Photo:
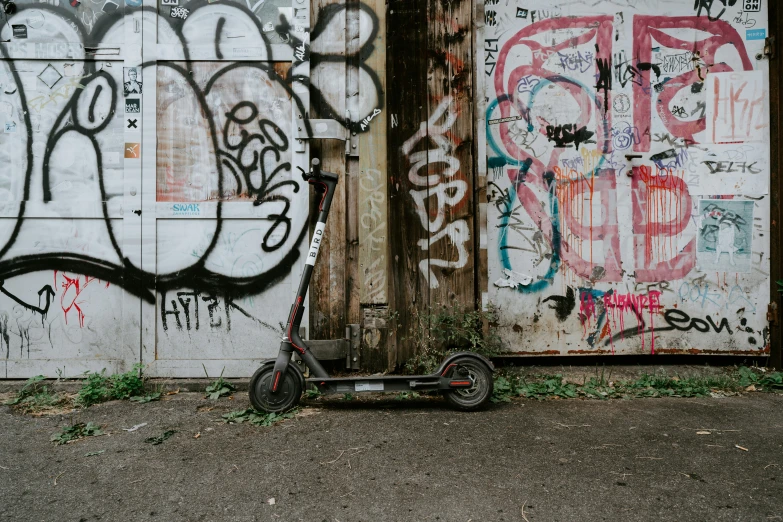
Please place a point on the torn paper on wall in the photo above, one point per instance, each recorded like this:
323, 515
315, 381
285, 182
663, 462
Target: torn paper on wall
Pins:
739, 168
736, 107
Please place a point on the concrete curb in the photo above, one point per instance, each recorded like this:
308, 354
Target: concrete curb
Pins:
575, 374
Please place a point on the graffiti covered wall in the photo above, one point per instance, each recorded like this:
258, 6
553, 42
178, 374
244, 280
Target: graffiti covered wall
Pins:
628, 175
151, 207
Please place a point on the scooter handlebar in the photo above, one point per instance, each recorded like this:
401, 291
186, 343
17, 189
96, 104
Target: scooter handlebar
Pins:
316, 174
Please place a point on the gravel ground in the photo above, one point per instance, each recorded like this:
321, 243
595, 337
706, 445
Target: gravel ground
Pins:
384, 459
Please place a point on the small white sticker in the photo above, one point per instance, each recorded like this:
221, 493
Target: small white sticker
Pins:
368, 386
318, 235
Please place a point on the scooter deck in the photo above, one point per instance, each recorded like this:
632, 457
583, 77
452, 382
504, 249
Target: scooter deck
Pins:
387, 383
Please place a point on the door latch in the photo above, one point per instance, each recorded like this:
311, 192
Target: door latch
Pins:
772, 314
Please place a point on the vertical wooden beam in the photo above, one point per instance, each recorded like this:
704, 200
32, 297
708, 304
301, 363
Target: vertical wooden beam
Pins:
776, 182
406, 72
352, 236
481, 272
327, 290
450, 131
373, 211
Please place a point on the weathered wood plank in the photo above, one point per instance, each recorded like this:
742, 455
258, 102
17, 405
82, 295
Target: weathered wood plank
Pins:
450, 215
776, 184
406, 71
372, 211
327, 297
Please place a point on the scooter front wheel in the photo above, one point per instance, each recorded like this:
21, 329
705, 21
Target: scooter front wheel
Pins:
473, 398
287, 396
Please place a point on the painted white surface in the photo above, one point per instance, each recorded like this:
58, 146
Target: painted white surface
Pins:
614, 249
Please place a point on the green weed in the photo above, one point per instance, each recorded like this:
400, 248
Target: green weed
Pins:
541, 387
160, 438
256, 417
348, 396
312, 393
219, 388
99, 387
146, 398
35, 397
75, 432
405, 396
441, 330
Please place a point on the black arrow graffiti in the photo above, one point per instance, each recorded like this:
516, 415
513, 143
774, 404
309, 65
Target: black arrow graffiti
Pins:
49, 294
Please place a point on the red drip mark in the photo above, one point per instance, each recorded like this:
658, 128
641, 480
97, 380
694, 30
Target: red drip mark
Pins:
70, 296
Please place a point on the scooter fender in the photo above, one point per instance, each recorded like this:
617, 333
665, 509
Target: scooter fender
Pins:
291, 364
445, 365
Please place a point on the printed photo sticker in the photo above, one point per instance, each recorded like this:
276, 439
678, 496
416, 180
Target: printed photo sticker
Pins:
132, 106
132, 150
131, 77
725, 235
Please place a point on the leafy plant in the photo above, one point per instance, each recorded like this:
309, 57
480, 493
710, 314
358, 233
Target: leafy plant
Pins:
312, 393
348, 396
218, 388
146, 398
405, 396
98, 387
256, 417
34, 396
75, 432
646, 385
160, 438
440, 330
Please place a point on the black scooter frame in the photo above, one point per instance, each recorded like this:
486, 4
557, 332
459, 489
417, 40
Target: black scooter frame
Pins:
443, 379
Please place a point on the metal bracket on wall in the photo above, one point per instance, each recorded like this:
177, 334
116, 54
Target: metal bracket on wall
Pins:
320, 130
336, 349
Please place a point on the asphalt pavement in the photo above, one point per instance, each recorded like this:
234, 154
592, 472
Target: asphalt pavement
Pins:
397, 460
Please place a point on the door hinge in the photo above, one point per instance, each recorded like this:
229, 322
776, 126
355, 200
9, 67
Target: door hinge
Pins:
769, 47
772, 314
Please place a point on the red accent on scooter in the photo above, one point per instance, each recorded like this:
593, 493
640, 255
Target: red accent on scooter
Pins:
447, 369
460, 383
277, 378
326, 191
291, 325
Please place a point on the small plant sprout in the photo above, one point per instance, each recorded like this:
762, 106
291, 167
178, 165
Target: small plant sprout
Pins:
218, 388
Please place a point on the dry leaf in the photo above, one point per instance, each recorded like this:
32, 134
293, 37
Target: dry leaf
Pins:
197, 435
751, 388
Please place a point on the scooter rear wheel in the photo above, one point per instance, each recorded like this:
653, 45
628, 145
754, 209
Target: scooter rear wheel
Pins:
473, 398
261, 396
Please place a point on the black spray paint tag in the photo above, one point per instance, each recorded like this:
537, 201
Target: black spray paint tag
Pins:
20, 31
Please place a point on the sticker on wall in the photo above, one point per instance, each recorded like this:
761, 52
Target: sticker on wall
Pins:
169, 2
132, 123
185, 209
19, 31
132, 150
131, 77
10, 127
725, 235
75, 3
132, 106
35, 19
109, 7
755, 34
180, 12
50, 76
751, 6
521, 13
741, 168
735, 107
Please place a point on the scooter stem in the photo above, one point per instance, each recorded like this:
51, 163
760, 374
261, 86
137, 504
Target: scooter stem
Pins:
326, 184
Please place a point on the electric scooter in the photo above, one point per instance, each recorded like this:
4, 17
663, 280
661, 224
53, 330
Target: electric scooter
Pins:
464, 378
